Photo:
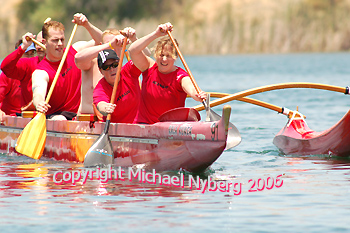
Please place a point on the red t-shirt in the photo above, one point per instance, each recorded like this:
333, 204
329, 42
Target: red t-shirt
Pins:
67, 91
127, 97
160, 93
15, 67
10, 95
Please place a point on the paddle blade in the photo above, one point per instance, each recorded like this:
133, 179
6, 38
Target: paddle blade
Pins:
100, 153
31, 141
180, 114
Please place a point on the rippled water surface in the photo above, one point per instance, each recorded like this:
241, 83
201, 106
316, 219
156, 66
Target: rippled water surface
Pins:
313, 191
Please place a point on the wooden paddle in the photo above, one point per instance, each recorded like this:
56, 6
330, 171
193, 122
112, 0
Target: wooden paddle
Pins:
101, 152
31, 141
233, 137
282, 110
127, 55
274, 87
36, 42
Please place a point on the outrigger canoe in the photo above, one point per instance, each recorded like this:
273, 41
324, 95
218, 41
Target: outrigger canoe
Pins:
296, 138
189, 145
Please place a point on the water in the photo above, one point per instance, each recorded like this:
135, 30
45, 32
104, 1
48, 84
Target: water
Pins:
314, 196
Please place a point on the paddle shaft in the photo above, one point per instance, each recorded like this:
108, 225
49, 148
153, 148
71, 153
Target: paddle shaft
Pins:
127, 55
115, 86
233, 136
61, 64
36, 42
273, 87
183, 62
256, 102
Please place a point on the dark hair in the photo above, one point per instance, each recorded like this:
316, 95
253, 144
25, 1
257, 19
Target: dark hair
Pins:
18, 43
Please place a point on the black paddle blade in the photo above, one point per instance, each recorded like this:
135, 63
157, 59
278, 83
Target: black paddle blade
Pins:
100, 153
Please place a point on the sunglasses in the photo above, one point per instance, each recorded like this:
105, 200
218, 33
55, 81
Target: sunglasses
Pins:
107, 67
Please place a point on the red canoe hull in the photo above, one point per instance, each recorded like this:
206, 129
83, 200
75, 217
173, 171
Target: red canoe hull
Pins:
192, 146
297, 139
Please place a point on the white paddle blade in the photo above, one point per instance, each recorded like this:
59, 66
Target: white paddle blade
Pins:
100, 153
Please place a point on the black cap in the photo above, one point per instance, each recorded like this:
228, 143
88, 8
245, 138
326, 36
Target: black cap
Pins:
104, 55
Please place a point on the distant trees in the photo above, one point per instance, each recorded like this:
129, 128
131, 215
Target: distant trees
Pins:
204, 26
36, 11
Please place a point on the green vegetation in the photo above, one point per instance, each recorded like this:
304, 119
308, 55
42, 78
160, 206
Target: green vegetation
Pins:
97, 11
206, 26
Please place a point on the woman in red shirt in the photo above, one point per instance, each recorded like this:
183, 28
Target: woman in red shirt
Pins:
164, 86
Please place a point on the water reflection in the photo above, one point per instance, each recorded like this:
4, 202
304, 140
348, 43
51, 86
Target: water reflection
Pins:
34, 182
15, 176
332, 162
18, 175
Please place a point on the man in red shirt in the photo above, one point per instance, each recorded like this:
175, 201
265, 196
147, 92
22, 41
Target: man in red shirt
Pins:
65, 99
15, 66
10, 96
10, 92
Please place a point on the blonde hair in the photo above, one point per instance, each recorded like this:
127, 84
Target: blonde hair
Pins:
51, 24
162, 43
110, 31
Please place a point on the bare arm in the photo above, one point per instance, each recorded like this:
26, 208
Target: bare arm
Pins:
96, 33
83, 59
131, 34
40, 80
2, 114
188, 87
147, 52
141, 61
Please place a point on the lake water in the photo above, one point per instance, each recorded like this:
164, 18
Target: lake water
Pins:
314, 195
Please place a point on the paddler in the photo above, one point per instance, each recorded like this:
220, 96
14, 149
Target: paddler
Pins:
86, 60
10, 92
128, 92
65, 99
164, 86
16, 66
